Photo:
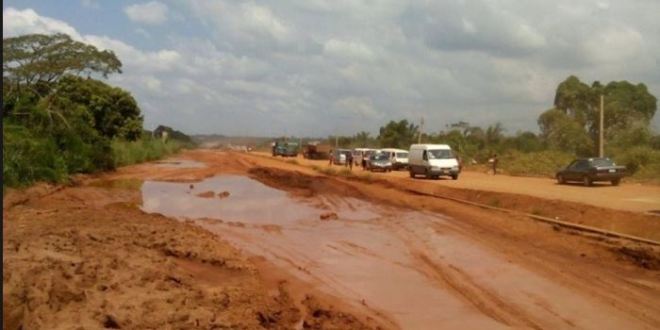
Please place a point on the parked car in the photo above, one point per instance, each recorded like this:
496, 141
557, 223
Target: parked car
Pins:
589, 170
432, 160
379, 162
367, 157
399, 157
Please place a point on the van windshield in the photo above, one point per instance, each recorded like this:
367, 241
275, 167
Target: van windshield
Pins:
440, 154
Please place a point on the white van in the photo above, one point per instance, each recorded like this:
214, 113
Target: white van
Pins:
399, 157
432, 160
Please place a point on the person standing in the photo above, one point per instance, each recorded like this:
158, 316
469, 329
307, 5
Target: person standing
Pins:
349, 160
494, 163
332, 157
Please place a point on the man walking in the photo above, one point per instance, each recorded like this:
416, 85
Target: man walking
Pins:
349, 160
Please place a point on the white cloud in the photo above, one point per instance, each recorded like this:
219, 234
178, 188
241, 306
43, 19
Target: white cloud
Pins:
260, 19
17, 22
614, 45
347, 49
152, 12
322, 67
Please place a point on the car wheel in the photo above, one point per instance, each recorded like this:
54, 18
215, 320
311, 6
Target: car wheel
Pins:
560, 179
427, 174
586, 181
454, 177
412, 174
616, 182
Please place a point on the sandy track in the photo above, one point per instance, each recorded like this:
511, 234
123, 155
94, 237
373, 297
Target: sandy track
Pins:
382, 253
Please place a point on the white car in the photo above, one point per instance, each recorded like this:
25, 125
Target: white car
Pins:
399, 157
432, 161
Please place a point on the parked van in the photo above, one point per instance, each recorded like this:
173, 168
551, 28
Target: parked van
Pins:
340, 156
399, 157
358, 155
432, 161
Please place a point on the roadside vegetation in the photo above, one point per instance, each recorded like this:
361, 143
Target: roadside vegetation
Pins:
59, 118
567, 130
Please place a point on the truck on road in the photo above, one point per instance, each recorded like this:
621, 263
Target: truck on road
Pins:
285, 149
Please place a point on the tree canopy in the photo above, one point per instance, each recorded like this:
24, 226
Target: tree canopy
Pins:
573, 123
33, 58
399, 134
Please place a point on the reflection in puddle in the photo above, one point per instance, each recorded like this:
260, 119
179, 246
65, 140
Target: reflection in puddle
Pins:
239, 198
180, 163
248, 201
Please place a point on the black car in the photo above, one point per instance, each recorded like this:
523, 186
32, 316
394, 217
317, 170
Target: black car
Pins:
589, 170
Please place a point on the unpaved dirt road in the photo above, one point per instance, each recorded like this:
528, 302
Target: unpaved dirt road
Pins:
379, 255
632, 197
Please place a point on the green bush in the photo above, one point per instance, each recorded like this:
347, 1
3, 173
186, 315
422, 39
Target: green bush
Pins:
28, 158
642, 162
542, 163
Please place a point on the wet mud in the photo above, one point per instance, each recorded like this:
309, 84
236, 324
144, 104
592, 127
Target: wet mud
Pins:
410, 269
281, 247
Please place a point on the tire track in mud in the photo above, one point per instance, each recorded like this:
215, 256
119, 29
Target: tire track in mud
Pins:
459, 283
288, 257
486, 301
598, 285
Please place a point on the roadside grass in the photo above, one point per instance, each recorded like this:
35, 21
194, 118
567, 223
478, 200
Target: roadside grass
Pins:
539, 164
143, 150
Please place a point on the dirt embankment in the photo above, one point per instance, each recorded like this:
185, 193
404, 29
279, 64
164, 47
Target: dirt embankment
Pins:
617, 218
87, 257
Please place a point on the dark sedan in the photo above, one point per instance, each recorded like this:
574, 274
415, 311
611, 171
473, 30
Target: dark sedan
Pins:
589, 170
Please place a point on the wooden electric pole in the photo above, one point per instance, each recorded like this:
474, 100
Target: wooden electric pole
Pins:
601, 133
421, 130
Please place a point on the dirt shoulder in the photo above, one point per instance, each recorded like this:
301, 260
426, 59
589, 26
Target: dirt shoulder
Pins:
633, 197
88, 257
516, 197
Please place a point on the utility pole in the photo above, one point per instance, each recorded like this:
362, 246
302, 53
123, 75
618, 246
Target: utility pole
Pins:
336, 141
421, 129
601, 139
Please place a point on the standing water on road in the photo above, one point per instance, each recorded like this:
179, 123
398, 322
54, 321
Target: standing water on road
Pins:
412, 269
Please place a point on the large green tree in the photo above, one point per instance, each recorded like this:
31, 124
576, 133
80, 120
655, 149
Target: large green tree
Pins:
33, 58
114, 112
399, 134
562, 132
575, 116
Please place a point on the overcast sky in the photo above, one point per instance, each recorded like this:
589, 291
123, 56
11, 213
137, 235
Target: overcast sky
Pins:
317, 67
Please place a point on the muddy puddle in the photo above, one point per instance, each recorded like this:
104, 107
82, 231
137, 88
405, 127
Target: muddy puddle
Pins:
241, 199
411, 269
180, 163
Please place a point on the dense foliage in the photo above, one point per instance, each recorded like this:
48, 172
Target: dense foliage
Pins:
568, 130
57, 122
